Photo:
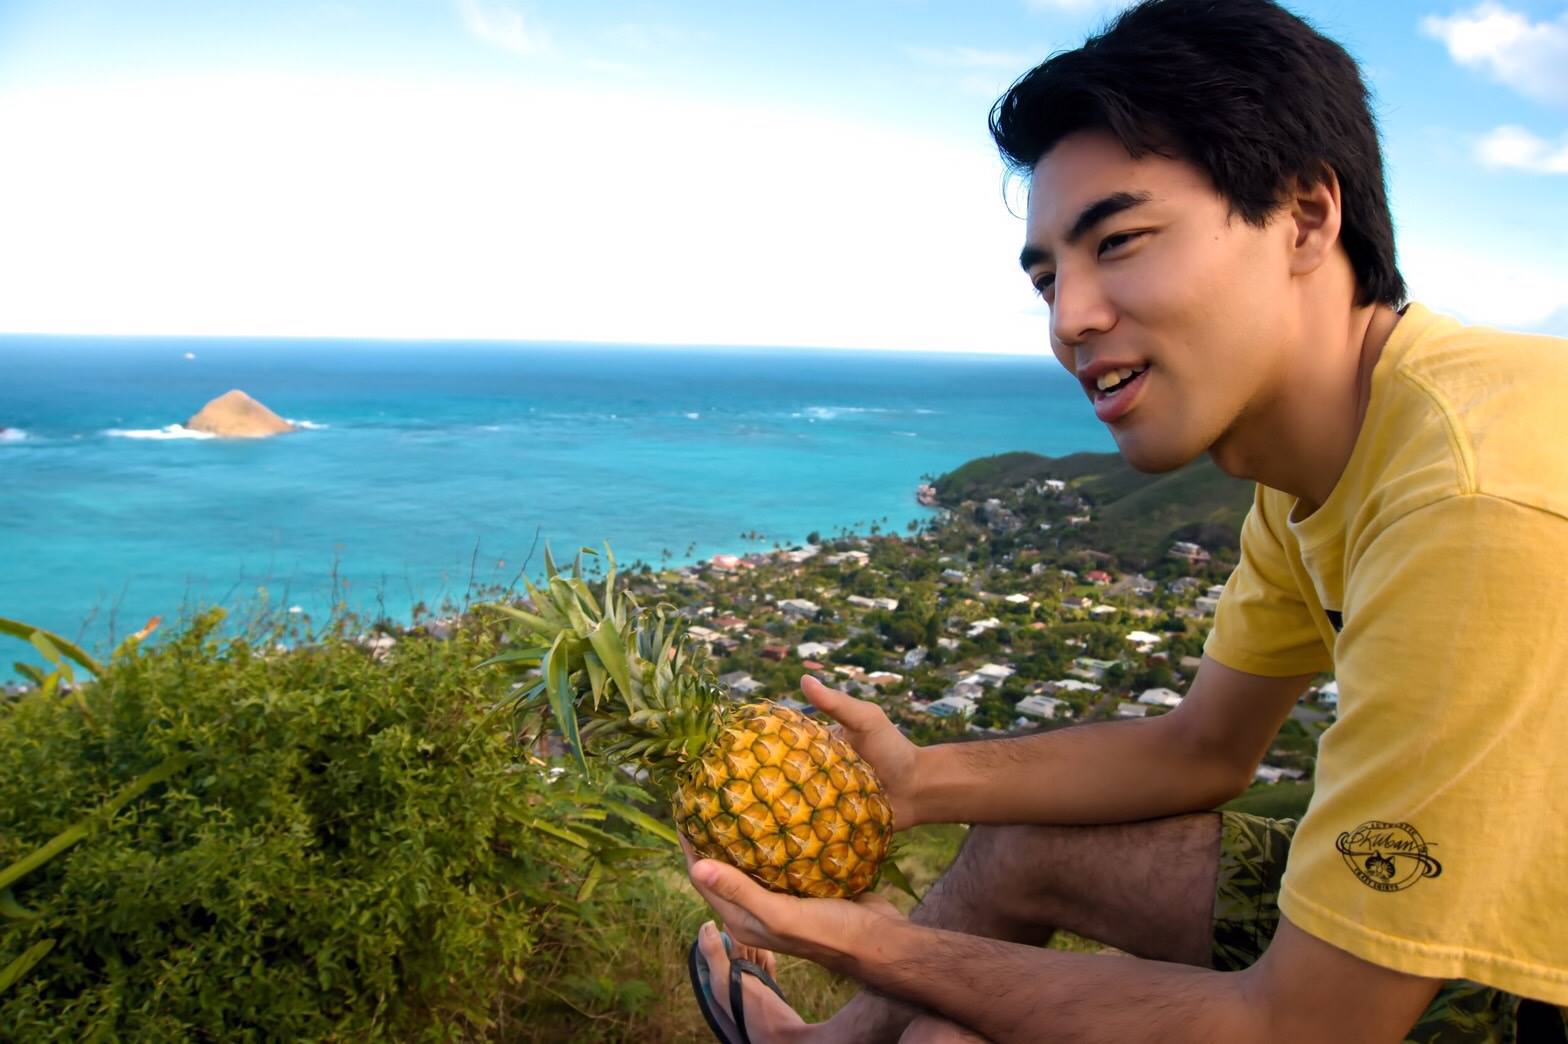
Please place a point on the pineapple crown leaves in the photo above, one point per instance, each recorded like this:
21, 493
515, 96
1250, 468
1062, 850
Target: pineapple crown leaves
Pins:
616, 675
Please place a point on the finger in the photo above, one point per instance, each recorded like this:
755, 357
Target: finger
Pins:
840, 706
734, 895
686, 849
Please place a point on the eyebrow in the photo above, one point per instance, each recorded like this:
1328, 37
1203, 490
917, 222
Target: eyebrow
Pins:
1088, 217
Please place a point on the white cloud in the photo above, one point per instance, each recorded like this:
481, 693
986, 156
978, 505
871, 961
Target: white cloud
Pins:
1515, 148
1530, 57
341, 207
1075, 6
1485, 284
972, 58
502, 25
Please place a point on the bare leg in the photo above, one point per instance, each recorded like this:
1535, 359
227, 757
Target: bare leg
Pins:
1145, 888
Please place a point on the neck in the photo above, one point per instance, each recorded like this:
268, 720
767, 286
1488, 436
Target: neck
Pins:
1299, 439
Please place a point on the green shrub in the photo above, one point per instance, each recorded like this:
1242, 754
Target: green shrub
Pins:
352, 850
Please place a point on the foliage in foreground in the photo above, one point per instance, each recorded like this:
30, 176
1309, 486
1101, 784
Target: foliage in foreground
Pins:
339, 848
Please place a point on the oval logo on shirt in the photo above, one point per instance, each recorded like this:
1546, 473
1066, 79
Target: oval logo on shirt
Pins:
1389, 857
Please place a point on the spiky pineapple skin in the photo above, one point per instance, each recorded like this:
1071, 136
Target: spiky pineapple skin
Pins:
782, 798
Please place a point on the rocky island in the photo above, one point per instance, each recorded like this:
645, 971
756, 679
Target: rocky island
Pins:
235, 415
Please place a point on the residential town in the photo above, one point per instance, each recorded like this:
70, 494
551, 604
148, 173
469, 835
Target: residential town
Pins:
983, 621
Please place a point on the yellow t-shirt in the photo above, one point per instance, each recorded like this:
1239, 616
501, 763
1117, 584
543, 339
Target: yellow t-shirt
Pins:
1434, 583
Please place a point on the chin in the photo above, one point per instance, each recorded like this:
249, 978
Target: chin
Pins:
1151, 454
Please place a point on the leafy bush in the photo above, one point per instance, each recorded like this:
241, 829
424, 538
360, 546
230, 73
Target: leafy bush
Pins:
343, 848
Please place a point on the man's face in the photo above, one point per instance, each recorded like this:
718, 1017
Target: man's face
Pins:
1144, 270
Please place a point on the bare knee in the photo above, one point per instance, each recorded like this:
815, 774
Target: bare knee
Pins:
928, 1029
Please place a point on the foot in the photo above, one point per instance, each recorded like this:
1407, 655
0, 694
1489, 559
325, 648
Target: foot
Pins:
768, 1017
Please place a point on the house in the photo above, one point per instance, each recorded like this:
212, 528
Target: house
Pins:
995, 673
703, 634
979, 627
739, 683
797, 607
1131, 710
889, 604
1188, 552
1097, 576
1160, 697
1042, 707
947, 643
915, 657
1328, 694
1274, 773
725, 563
880, 678
854, 559
950, 706
811, 665
1090, 668
1206, 604
1183, 584
1075, 604
1145, 638
811, 650
967, 689
1071, 685
729, 623
850, 670
801, 554
724, 646
774, 652
1017, 599
1103, 610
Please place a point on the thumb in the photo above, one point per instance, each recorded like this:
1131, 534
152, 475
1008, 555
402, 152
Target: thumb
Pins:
719, 880
840, 706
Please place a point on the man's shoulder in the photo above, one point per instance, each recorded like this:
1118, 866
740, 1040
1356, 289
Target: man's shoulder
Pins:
1475, 410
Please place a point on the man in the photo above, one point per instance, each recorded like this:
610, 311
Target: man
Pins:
1208, 225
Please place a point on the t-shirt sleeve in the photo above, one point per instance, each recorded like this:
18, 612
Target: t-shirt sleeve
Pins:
1264, 624
1435, 844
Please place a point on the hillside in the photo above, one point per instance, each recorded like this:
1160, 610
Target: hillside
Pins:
1138, 514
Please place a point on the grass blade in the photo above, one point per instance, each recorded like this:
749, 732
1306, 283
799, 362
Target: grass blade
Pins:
19, 967
74, 833
638, 818
17, 629
896, 878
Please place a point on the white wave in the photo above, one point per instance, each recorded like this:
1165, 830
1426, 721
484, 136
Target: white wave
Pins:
305, 425
906, 434
296, 609
12, 435
168, 431
834, 412
692, 416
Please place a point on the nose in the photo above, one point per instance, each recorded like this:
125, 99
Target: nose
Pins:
1079, 308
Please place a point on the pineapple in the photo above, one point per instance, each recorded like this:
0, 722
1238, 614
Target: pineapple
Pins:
759, 786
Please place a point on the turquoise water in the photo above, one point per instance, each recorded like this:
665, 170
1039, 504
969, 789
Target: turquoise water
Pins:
419, 453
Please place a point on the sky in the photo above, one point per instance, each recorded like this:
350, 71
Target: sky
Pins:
809, 173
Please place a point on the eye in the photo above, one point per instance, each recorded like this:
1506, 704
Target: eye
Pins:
1119, 239
1043, 284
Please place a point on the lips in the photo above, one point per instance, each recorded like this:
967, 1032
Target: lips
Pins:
1123, 386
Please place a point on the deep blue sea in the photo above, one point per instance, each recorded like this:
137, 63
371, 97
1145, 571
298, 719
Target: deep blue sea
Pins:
417, 454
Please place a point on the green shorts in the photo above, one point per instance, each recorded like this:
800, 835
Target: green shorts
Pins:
1246, 912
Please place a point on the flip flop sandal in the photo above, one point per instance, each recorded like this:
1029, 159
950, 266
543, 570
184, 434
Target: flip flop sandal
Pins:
726, 1029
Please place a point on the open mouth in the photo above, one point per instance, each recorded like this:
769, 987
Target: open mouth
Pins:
1116, 392
1115, 382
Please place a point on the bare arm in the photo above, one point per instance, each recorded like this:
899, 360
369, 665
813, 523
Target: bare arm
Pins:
1199, 755
1009, 992
1301, 991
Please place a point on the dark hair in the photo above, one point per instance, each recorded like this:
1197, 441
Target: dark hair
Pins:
1242, 89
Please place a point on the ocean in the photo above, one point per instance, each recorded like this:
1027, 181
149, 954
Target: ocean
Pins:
422, 466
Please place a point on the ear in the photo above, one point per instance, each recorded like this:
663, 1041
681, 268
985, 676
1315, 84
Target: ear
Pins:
1315, 215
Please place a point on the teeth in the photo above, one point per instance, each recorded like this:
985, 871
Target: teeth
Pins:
1114, 377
